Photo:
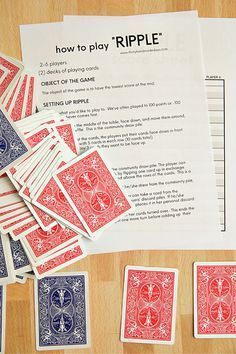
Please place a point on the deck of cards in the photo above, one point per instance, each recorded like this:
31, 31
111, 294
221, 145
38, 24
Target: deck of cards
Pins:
51, 195
17, 88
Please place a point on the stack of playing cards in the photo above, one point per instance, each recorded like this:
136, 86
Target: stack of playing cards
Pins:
53, 197
17, 88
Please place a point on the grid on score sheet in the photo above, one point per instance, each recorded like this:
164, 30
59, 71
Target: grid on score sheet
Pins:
215, 91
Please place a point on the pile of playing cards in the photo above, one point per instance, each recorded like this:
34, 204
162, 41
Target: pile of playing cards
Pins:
52, 197
17, 88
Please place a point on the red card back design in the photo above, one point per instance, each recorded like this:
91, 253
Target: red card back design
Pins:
29, 103
66, 133
53, 199
215, 300
93, 191
36, 138
149, 310
18, 105
42, 242
13, 71
63, 258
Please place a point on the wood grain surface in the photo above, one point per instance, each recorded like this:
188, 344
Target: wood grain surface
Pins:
106, 271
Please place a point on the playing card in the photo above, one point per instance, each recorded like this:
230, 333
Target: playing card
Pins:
14, 67
62, 311
38, 135
35, 120
19, 172
22, 174
6, 187
3, 73
8, 98
13, 146
9, 214
29, 103
17, 222
11, 207
66, 131
2, 317
92, 191
45, 221
149, 305
7, 275
41, 244
214, 299
24, 230
6, 220
67, 257
9, 199
51, 199
45, 170
20, 260
15, 109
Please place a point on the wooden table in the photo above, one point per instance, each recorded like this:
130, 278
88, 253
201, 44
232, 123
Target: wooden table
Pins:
106, 271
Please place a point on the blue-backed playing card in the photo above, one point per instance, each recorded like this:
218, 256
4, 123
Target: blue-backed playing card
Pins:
61, 311
20, 260
13, 146
7, 275
2, 317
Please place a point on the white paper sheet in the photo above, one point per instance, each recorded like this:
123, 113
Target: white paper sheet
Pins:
171, 132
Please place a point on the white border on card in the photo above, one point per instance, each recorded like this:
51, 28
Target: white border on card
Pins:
4, 296
79, 158
87, 345
24, 141
173, 324
196, 335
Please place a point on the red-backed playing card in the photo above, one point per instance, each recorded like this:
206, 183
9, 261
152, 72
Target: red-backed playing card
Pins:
149, 305
14, 68
43, 243
92, 191
51, 200
15, 110
66, 131
215, 299
71, 254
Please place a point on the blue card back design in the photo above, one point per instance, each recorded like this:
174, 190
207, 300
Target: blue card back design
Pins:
11, 145
1, 315
19, 257
3, 264
62, 311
